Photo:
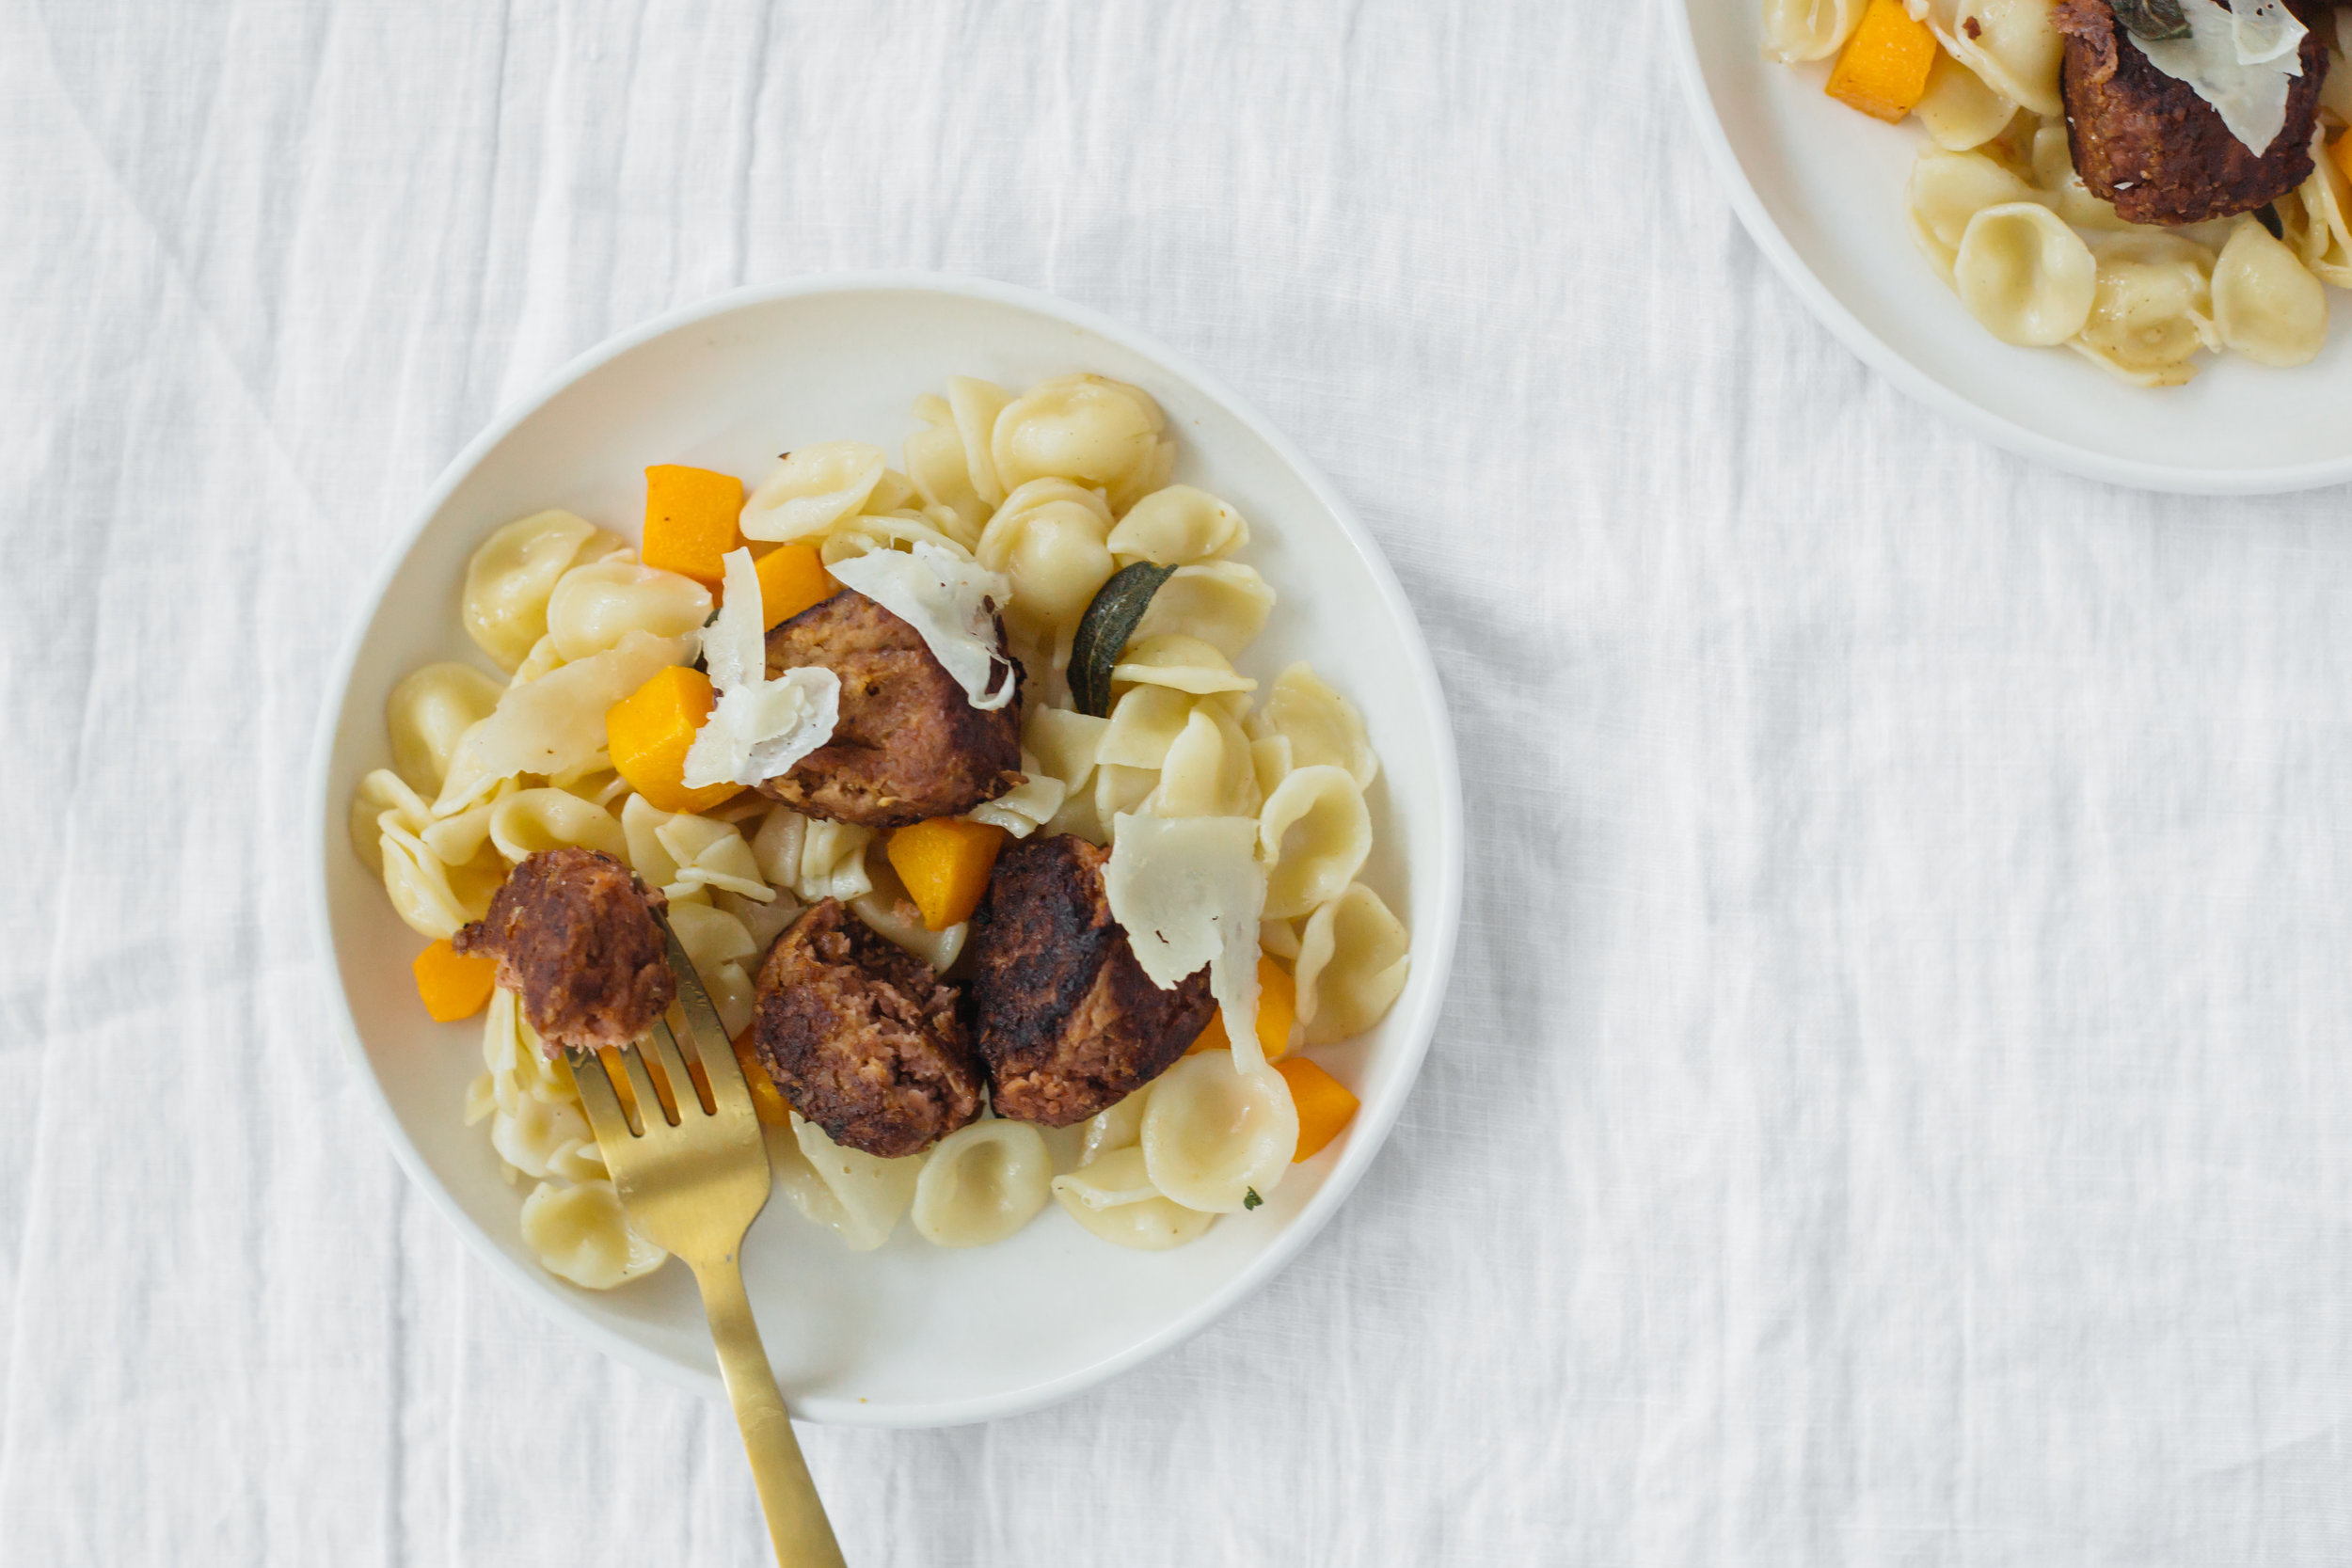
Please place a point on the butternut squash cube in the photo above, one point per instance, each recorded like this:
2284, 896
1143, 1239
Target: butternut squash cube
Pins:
1883, 69
691, 521
792, 577
454, 985
2339, 152
650, 731
1278, 1006
944, 863
768, 1101
1324, 1106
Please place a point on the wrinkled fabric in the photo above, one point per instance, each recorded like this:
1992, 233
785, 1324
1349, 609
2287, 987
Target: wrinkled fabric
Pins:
1893, 1101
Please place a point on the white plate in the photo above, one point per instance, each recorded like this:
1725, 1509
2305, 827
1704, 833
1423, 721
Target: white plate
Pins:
1820, 186
911, 1335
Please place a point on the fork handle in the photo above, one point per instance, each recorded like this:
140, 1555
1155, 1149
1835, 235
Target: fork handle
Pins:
796, 1525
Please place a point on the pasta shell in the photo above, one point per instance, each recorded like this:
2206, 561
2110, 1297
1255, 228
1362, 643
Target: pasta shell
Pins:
981, 1184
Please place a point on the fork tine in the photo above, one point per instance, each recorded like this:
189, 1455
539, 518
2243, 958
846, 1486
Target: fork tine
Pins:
705, 1035
597, 1097
641, 1082
659, 1044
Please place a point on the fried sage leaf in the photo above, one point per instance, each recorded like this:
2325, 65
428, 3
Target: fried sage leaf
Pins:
2152, 19
1103, 632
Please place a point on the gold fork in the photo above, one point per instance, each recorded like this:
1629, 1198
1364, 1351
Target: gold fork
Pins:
694, 1188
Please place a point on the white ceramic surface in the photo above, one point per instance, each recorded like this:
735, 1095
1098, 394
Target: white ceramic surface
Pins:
910, 1335
1820, 189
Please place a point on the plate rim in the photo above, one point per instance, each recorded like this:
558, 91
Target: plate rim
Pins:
1446, 863
1917, 383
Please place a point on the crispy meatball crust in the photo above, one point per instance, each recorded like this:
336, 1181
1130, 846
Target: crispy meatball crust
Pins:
574, 934
910, 745
862, 1038
2154, 147
1066, 1020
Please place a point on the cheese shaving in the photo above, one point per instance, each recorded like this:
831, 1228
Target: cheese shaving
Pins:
554, 725
2238, 58
760, 728
949, 600
1189, 891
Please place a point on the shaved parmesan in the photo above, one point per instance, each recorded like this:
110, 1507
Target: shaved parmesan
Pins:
2238, 58
554, 725
1189, 891
949, 600
760, 728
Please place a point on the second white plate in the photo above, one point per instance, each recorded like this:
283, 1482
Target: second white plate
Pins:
1820, 189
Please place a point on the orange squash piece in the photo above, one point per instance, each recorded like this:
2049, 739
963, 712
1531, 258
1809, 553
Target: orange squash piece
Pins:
650, 731
791, 578
767, 1099
2339, 152
1324, 1106
1278, 1006
691, 521
944, 863
454, 984
1883, 69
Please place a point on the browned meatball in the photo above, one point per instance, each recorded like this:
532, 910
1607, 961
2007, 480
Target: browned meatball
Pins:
2153, 147
862, 1038
909, 745
574, 934
1066, 1020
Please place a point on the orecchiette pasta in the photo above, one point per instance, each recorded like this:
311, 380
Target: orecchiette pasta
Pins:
1119, 1126
1022, 809
1945, 190
1321, 727
428, 712
1959, 111
510, 577
594, 606
2265, 304
2027, 277
530, 820
1208, 771
1065, 743
2154, 309
1176, 526
1809, 29
712, 854
981, 1184
1144, 724
1114, 1198
1048, 539
2012, 45
833, 862
813, 488
1103, 433
1352, 964
712, 938
1213, 1134
941, 475
776, 848
1222, 603
1182, 663
2314, 222
1315, 833
975, 406
854, 1194
580, 1234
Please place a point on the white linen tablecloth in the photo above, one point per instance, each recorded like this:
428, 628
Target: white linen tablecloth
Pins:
1892, 1103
